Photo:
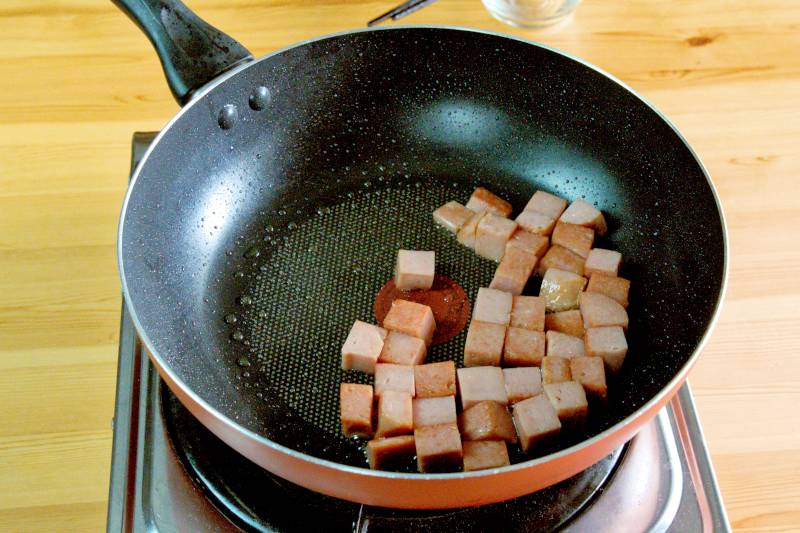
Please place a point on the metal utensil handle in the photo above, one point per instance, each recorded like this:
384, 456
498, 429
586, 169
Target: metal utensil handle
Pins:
191, 51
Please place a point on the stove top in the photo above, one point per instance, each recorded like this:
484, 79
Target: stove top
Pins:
169, 473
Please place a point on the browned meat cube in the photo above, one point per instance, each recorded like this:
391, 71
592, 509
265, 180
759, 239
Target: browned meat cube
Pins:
601, 261
414, 269
398, 378
355, 402
412, 319
576, 239
589, 372
487, 421
546, 203
402, 349
452, 216
536, 422
608, 343
614, 288
527, 312
561, 289
438, 448
523, 347
466, 235
563, 345
561, 258
480, 383
522, 383
481, 455
395, 414
599, 310
513, 271
492, 235
391, 453
485, 200
528, 242
569, 401
435, 379
555, 369
362, 347
433, 411
583, 214
535, 222
493, 306
484, 345
569, 322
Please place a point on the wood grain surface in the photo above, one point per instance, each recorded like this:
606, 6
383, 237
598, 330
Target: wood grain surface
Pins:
77, 78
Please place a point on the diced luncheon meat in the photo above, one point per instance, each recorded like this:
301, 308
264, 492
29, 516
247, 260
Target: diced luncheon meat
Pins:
481, 455
561, 289
584, 214
576, 239
391, 453
466, 235
452, 216
613, 287
435, 379
438, 448
563, 345
589, 372
527, 312
535, 222
493, 306
536, 422
492, 235
355, 401
546, 203
414, 269
599, 310
485, 200
561, 258
601, 261
362, 347
480, 383
569, 322
487, 421
393, 377
523, 347
395, 414
528, 242
513, 271
569, 401
555, 369
522, 383
402, 349
608, 343
484, 345
412, 319
433, 411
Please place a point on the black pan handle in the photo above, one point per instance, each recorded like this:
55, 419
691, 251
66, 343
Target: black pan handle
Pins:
192, 52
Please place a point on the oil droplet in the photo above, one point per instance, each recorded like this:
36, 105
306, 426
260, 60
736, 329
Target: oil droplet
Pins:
238, 274
243, 362
245, 300
252, 252
227, 116
245, 374
237, 335
292, 225
259, 98
231, 318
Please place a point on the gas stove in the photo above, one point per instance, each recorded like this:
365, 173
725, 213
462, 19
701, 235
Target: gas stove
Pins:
169, 473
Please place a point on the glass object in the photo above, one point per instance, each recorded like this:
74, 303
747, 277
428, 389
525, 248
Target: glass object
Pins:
531, 13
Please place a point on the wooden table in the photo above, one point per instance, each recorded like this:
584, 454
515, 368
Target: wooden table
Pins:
77, 78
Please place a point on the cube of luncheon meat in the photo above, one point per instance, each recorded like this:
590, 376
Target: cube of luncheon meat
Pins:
576, 239
402, 349
414, 269
536, 422
535, 222
513, 271
561, 258
563, 345
613, 287
589, 372
438, 448
608, 343
480, 455
523, 347
487, 421
452, 216
485, 200
435, 379
569, 401
601, 261
561, 290
391, 453
528, 242
546, 203
492, 235
493, 306
480, 383
393, 377
362, 347
584, 214
466, 235
395, 414
484, 345
522, 383
599, 310
555, 369
569, 322
433, 411
527, 312
412, 319
355, 404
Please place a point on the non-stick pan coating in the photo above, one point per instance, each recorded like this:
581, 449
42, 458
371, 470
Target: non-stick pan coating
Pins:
287, 222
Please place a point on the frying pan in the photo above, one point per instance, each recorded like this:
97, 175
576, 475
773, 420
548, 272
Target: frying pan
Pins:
266, 215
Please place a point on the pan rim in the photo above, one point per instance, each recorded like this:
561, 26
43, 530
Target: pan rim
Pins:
671, 386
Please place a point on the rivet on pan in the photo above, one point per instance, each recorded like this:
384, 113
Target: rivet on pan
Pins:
227, 116
260, 98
